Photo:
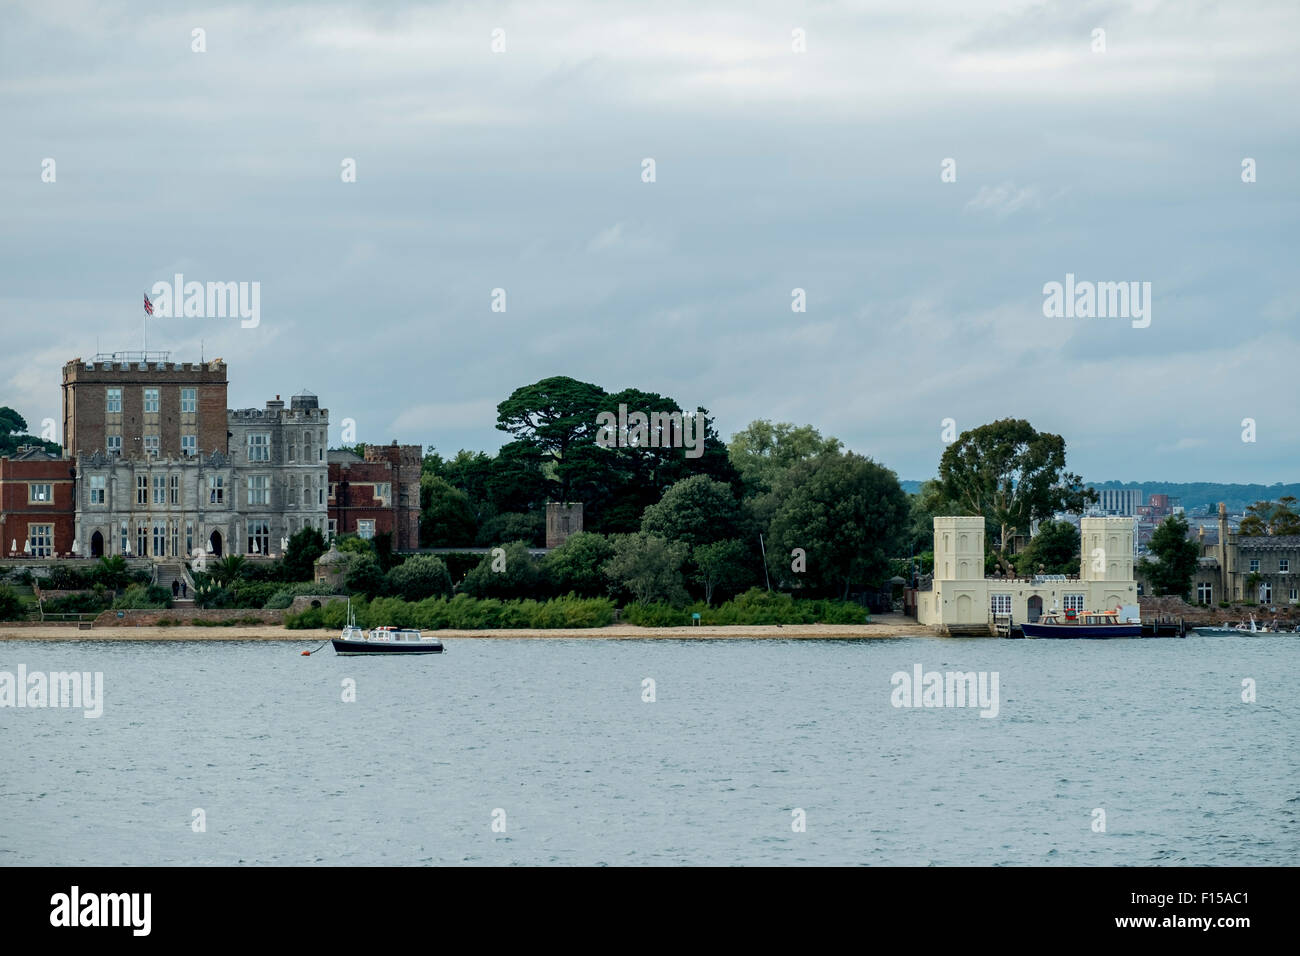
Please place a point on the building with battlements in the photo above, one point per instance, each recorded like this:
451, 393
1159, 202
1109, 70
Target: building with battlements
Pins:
961, 599
376, 493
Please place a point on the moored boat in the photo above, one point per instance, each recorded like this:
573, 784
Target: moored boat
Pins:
383, 640
1092, 625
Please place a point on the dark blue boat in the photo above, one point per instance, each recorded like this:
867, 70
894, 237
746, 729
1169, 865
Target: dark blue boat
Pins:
1095, 626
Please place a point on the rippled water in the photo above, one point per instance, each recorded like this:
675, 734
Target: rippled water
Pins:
556, 735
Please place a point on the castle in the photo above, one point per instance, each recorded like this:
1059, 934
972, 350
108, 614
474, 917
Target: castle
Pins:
961, 599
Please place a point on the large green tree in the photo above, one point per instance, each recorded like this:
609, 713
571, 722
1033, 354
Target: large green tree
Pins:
697, 510
648, 567
1011, 474
553, 417
576, 565
846, 512
1270, 518
1055, 549
446, 516
723, 564
762, 451
1176, 558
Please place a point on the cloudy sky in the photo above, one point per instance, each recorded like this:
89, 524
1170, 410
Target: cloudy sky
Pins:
774, 170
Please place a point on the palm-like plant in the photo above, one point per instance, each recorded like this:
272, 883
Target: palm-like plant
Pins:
112, 571
228, 569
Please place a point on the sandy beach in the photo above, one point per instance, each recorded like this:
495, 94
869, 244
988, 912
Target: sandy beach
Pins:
890, 627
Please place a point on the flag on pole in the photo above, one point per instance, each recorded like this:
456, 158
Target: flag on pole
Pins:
148, 306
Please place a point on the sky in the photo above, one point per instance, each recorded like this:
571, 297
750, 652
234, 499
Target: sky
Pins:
776, 168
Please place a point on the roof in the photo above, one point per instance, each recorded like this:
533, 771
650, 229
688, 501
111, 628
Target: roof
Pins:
340, 456
1268, 542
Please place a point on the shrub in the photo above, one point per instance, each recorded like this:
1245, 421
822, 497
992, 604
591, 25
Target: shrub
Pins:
419, 577
11, 605
511, 574
254, 594
658, 614
139, 596
86, 603
461, 613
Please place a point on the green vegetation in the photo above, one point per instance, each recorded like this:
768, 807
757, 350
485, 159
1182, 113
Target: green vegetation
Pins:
1010, 474
1176, 558
755, 606
1271, 518
461, 613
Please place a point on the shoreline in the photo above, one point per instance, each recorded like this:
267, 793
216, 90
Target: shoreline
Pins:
902, 628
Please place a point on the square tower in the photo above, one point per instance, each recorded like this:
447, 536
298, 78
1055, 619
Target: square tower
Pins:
959, 548
1106, 549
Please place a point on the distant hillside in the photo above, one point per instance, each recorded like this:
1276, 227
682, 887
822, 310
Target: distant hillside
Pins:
1191, 494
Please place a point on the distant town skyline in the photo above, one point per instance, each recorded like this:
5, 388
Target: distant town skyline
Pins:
918, 175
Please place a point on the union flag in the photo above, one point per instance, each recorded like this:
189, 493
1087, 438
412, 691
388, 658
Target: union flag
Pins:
148, 306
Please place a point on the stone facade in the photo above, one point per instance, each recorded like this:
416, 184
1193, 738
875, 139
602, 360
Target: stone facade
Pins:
185, 481
961, 599
1227, 563
281, 475
562, 520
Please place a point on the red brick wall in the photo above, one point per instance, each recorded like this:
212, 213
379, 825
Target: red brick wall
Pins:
84, 408
16, 512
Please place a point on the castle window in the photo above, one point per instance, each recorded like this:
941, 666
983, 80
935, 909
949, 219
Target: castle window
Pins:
40, 494
1205, 592
1254, 564
1283, 566
113, 401
1073, 602
189, 445
97, 483
189, 400
151, 401
1000, 603
259, 446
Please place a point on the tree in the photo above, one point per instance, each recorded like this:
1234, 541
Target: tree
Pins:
648, 567
228, 569
1271, 518
508, 573
11, 605
846, 512
418, 577
576, 565
300, 556
723, 564
762, 451
553, 416
696, 510
112, 572
364, 576
1055, 549
1176, 558
1012, 475
13, 432
529, 527
446, 517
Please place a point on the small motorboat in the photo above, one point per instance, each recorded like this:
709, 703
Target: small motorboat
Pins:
1098, 624
383, 640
